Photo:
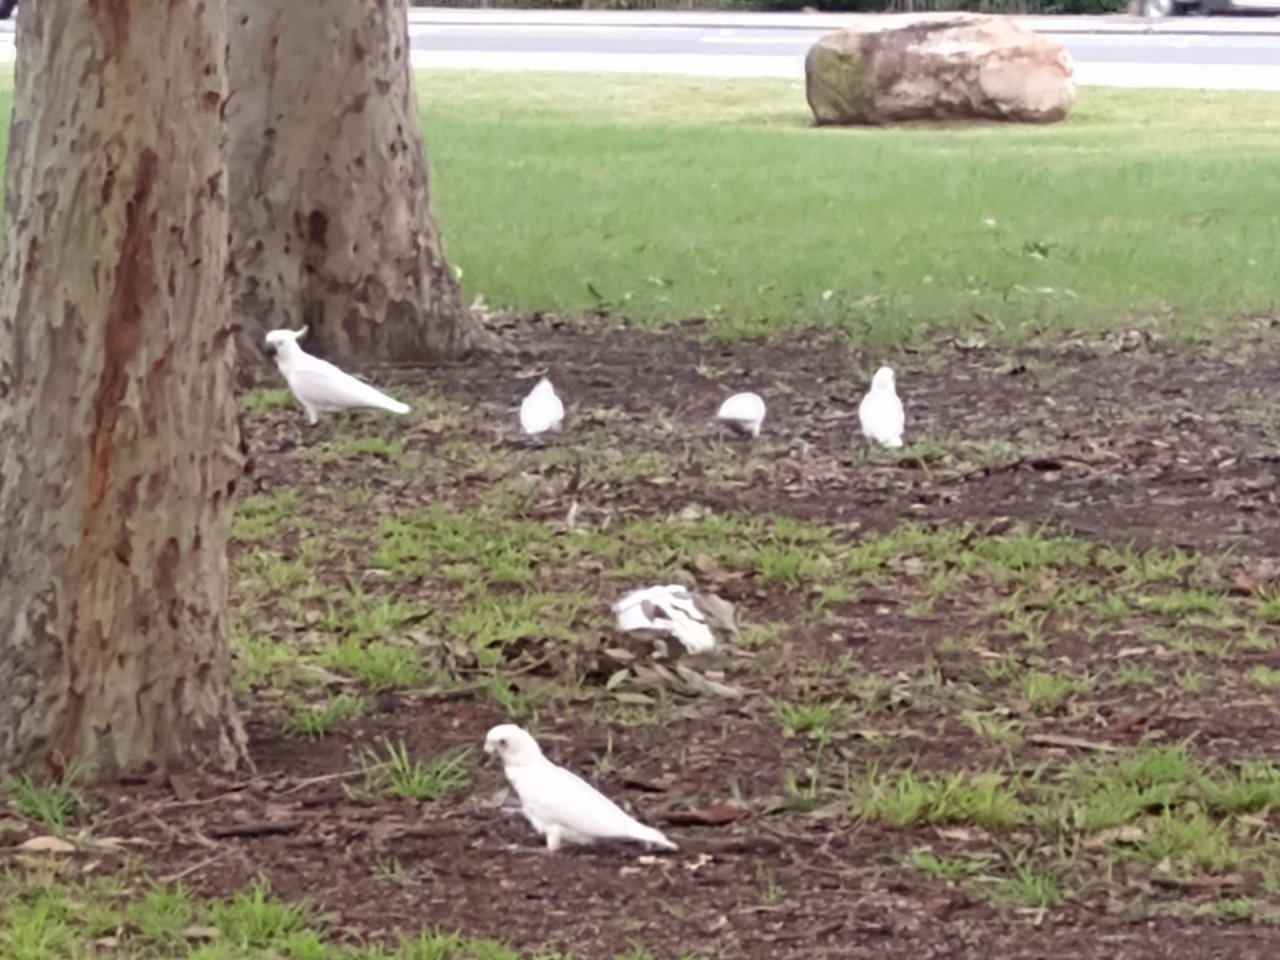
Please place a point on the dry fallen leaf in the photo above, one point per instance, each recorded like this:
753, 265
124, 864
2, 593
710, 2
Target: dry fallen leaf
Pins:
1127, 833
47, 845
715, 814
1246, 584
705, 563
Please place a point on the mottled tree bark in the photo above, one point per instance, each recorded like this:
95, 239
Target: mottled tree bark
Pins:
119, 451
331, 222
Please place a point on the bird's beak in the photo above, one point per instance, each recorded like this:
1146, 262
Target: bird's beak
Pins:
271, 349
489, 747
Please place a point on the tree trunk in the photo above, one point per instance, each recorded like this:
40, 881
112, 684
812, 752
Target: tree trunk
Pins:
331, 222
119, 450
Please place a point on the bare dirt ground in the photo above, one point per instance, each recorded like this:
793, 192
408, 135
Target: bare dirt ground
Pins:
1101, 444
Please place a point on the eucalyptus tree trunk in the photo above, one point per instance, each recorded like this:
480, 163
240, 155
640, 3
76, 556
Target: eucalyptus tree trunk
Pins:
119, 451
331, 221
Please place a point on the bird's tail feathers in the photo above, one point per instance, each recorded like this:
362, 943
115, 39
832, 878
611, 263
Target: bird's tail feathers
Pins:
694, 634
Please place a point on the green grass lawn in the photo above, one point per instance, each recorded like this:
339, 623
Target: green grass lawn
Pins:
665, 198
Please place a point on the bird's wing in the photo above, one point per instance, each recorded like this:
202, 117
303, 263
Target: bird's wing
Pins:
898, 415
639, 595
323, 385
746, 407
687, 621
881, 417
635, 611
533, 414
557, 796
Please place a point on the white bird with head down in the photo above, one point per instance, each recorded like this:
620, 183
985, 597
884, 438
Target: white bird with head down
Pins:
541, 410
320, 386
560, 805
743, 413
881, 411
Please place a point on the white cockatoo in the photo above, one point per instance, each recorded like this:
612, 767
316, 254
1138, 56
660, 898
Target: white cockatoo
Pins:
560, 805
541, 410
320, 386
668, 609
881, 411
743, 413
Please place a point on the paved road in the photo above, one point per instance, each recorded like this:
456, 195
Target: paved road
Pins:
1209, 53
1218, 53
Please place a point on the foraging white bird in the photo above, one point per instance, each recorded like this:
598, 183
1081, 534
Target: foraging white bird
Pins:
561, 805
541, 410
743, 412
669, 609
320, 386
881, 411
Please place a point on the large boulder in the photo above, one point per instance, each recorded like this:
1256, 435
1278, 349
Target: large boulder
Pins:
949, 67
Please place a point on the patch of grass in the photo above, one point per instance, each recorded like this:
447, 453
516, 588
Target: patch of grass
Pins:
788, 563
49, 912
255, 919
1256, 641
953, 869
1190, 681
260, 661
1235, 909
1135, 675
265, 400
1195, 841
905, 800
1046, 691
1185, 603
363, 616
1268, 608
1030, 885
992, 729
315, 720
384, 448
1031, 228
1268, 678
814, 720
265, 572
463, 545
259, 517
491, 623
55, 804
379, 666
395, 772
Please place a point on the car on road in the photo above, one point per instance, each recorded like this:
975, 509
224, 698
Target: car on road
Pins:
1170, 8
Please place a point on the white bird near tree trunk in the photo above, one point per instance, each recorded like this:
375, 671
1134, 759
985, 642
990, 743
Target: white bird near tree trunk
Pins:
743, 413
320, 386
541, 410
881, 413
559, 804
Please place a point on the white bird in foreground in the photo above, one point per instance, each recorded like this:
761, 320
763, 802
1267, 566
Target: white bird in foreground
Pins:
881, 411
541, 410
561, 805
320, 386
743, 412
669, 609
